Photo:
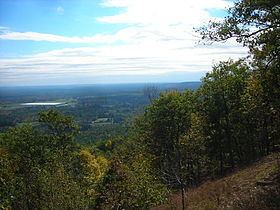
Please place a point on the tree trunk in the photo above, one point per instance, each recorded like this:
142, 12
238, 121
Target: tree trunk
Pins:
183, 197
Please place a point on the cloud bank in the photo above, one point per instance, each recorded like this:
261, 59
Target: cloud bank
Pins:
158, 39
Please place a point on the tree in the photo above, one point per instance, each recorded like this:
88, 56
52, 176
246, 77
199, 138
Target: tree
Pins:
220, 103
19, 178
59, 131
168, 118
130, 182
161, 128
39, 160
89, 170
256, 24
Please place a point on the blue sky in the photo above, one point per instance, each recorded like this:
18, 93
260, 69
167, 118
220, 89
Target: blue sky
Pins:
60, 17
107, 41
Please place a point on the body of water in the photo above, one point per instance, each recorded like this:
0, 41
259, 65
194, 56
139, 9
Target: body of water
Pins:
42, 104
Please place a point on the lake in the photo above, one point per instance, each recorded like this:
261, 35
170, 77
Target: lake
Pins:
42, 104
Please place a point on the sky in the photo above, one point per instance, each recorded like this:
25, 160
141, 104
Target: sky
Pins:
57, 42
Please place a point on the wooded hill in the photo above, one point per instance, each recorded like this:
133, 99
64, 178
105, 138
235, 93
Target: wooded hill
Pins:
182, 140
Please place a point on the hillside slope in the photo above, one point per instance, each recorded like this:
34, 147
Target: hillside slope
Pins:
254, 187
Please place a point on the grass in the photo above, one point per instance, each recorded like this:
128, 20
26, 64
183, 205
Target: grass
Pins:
254, 187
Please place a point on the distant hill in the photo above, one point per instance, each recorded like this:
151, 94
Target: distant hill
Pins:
254, 187
60, 91
180, 86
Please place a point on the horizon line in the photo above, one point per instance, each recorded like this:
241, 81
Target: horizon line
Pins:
92, 84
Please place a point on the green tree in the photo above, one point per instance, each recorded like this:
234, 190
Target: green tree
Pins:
220, 103
130, 182
39, 161
166, 121
21, 149
256, 24
89, 170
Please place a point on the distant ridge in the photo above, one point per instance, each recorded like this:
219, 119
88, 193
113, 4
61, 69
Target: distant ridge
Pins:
96, 89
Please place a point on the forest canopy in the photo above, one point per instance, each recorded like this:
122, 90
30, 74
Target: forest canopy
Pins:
181, 140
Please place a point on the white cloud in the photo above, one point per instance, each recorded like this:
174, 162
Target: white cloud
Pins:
158, 39
4, 29
60, 10
34, 36
151, 20
123, 60
162, 12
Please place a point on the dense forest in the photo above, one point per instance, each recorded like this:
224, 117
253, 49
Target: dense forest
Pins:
182, 139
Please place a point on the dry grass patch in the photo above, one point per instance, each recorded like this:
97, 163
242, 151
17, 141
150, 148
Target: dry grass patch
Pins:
248, 188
